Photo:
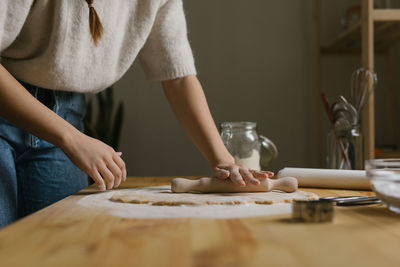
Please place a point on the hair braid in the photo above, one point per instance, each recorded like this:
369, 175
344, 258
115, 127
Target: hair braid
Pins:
96, 28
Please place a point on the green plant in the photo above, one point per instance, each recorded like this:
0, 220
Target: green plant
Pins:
107, 125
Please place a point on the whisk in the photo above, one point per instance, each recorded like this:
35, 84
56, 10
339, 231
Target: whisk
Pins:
360, 89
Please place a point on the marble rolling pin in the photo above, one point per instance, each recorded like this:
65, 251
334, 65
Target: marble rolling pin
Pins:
328, 178
214, 185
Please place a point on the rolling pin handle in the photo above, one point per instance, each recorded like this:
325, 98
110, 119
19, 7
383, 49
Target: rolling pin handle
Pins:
286, 184
181, 185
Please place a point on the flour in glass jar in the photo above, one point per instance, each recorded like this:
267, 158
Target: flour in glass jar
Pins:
252, 162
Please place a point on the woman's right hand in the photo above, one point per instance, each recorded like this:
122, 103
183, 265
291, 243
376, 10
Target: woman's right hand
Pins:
95, 158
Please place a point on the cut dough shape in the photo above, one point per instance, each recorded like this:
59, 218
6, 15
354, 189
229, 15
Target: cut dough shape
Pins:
162, 196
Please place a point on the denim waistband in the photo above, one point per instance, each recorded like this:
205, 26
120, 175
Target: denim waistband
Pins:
46, 96
68, 105
53, 99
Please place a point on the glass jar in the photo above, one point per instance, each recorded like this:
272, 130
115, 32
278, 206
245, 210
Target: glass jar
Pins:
352, 141
246, 145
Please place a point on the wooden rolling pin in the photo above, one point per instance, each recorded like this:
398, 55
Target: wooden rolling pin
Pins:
214, 185
328, 178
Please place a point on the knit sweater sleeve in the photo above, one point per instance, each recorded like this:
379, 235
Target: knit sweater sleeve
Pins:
167, 54
13, 14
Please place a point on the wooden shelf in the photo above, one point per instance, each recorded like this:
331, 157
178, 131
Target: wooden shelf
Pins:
387, 155
386, 15
377, 30
386, 33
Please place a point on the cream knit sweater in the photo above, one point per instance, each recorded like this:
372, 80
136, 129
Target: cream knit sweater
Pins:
47, 42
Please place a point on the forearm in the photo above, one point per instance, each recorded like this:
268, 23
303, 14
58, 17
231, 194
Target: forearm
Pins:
189, 104
19, 107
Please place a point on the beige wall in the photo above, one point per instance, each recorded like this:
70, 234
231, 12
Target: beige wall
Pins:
255, 61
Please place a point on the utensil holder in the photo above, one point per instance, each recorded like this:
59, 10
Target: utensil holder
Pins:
352, 140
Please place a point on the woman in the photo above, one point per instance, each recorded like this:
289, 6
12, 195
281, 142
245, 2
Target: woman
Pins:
52, 53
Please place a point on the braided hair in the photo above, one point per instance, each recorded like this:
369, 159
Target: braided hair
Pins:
96, 28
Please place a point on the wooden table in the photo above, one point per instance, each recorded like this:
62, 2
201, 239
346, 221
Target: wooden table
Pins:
66, 234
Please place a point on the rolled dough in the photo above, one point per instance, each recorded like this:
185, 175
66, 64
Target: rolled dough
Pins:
101, 201
162, 196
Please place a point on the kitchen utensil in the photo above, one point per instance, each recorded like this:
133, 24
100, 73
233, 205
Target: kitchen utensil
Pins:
367, 90
346, 129
313, 210
328, 178
214, 185
331, 119
342, 108
359, 87
342, 124
353, 200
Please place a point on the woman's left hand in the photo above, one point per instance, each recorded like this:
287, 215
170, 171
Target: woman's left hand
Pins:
239, 174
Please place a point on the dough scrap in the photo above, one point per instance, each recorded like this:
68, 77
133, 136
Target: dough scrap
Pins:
162, 196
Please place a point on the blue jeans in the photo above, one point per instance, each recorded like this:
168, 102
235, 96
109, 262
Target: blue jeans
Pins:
33, 172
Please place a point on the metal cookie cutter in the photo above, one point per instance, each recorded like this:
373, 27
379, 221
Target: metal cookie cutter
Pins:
313, 211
